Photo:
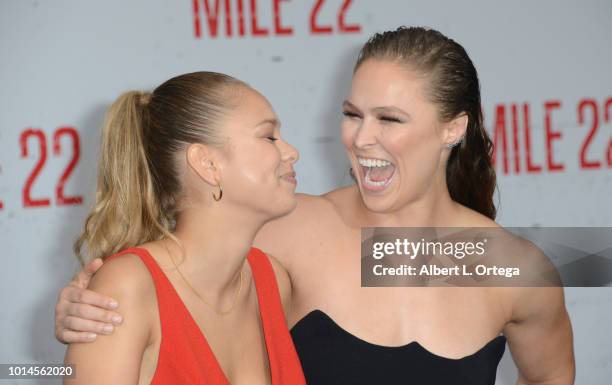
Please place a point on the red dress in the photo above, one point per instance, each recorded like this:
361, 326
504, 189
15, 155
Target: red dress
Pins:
184, 354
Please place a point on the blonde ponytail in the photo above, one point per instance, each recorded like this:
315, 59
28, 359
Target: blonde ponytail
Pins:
126, 212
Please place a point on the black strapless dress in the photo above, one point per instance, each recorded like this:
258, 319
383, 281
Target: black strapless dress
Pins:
332, 356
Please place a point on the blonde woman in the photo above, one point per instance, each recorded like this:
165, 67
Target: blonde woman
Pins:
188, 175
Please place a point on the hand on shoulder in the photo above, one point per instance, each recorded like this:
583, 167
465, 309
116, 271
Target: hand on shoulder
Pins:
124, 277
127, 279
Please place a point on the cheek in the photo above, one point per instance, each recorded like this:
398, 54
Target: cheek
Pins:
417, 152
348, 131
256, 164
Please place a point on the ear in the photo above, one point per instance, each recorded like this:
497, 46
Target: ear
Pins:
455, 129
203, 160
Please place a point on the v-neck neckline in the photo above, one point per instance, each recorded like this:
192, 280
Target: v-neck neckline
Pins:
200, 333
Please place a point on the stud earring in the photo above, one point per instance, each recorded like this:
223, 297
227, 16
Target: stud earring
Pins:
453, 144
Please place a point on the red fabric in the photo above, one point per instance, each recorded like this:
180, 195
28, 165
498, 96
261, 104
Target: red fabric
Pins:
184, 354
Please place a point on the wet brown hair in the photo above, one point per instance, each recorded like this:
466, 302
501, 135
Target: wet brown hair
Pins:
454, 89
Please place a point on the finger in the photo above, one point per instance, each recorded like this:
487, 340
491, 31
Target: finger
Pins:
92, 266
84, 276
68, 336
93, 313
90, 297
84, 325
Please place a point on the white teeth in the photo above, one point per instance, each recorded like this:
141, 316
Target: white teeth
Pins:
372, 183
381, 183
373, 162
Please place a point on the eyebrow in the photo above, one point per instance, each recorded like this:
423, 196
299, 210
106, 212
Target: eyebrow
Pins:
348, 104
274, 122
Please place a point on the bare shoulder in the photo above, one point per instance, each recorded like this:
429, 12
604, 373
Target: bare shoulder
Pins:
343, 204
340, 196
125, 278
539, 289
305, 212
472, 218
314, 206
542, 295
283, 236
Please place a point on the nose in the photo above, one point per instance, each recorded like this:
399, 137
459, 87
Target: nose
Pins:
289, 153
367, 135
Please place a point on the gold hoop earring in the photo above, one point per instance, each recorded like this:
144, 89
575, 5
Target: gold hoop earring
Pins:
217, 199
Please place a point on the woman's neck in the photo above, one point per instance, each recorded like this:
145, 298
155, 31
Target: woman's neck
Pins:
215, 247
434, 208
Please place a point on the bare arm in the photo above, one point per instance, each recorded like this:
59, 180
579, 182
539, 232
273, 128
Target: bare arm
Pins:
540, 337
117, 358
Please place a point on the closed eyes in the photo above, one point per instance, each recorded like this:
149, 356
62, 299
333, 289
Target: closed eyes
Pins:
383, 118
390, 119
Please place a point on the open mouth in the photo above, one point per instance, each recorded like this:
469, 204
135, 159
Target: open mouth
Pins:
376, 174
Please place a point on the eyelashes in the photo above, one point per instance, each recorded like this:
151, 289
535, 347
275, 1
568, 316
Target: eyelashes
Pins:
350, 114
272, 139
382, 118
390, 119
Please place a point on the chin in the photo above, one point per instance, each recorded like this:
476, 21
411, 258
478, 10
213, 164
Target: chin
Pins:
381, 201
377, 204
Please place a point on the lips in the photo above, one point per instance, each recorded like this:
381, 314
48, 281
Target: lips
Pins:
289, 177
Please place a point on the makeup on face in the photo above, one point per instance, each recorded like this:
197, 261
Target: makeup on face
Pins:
375, 168
390, 132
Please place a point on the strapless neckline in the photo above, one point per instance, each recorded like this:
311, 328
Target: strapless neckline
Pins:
330, 355
495, 343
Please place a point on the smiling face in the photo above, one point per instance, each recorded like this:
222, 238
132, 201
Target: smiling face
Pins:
393, 136
255, 164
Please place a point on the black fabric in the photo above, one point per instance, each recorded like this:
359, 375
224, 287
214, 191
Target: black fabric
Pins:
332, 356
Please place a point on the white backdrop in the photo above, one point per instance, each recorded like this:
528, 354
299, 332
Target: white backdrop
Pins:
63, 62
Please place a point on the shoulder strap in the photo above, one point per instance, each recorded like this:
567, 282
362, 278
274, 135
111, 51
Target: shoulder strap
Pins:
156, 272
284, 363
166, 295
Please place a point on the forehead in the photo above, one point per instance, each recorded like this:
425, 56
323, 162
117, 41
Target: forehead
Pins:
251, 108
385, 82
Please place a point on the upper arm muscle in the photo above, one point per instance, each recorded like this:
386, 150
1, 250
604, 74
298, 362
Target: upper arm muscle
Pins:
540, 337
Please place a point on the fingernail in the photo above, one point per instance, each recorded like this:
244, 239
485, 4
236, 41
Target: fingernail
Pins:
113, 304
117, 319
108, 328
92, 336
